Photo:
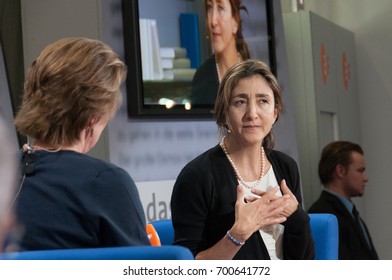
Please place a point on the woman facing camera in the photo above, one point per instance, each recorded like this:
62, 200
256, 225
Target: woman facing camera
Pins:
241, 199
225, 30
68, 199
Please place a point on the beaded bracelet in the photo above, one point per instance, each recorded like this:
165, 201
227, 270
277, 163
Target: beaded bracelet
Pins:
235, 241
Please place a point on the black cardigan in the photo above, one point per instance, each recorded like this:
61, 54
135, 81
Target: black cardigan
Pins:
204, 198
205, 83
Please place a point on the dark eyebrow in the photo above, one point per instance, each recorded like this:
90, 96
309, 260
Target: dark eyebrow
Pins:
241, 95
244, 95
264, 95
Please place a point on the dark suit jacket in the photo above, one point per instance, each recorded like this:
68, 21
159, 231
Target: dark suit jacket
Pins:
352, 243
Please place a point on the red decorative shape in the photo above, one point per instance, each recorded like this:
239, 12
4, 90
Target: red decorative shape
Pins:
346, 71
324, 63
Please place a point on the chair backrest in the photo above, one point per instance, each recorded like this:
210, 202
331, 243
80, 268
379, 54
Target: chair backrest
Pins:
165, 231
325, 233
107, 253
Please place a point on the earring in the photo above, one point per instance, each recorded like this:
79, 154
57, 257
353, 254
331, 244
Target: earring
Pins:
227, 128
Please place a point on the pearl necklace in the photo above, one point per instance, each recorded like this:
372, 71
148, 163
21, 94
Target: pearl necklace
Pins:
217, 66
237, 173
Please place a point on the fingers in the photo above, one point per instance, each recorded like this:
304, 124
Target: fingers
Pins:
279, 214
270, 195
285, 189
273, 213
251, 198
292, 202
240, 194
263, 211
258, 192
266, 208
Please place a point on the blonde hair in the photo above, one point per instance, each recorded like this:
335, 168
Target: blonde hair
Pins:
242, 70
71, 80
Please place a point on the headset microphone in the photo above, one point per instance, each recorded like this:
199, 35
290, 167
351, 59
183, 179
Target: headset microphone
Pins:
29, 158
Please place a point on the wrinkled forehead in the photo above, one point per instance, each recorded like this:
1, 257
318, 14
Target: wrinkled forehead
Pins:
256, 84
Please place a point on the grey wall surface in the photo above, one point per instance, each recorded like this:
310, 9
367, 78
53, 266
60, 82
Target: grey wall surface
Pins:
371, 23
45, 21
6, 113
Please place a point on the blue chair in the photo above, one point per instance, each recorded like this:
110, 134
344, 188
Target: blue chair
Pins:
324, 229
325, 233
107, 253
165, 231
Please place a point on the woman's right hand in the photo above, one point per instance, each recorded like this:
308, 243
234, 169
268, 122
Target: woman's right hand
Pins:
251, 216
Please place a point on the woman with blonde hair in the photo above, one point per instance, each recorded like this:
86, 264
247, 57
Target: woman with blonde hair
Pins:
68, 199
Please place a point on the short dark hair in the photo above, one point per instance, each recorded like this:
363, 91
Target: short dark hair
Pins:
333, 154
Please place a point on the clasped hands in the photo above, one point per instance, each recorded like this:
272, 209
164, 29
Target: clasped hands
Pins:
253, 213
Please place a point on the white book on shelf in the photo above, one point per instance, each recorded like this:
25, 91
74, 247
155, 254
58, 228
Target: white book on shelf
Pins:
185, 74
144, 48
173, 52
150, 50
171, 63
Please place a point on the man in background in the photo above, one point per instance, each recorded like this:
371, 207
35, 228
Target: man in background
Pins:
342, 173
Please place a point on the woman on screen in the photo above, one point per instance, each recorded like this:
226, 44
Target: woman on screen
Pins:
225, 30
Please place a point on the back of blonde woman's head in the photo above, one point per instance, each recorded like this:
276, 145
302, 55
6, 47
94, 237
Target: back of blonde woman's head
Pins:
71, 80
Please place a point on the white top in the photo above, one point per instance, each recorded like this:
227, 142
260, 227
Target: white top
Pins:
271, 235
